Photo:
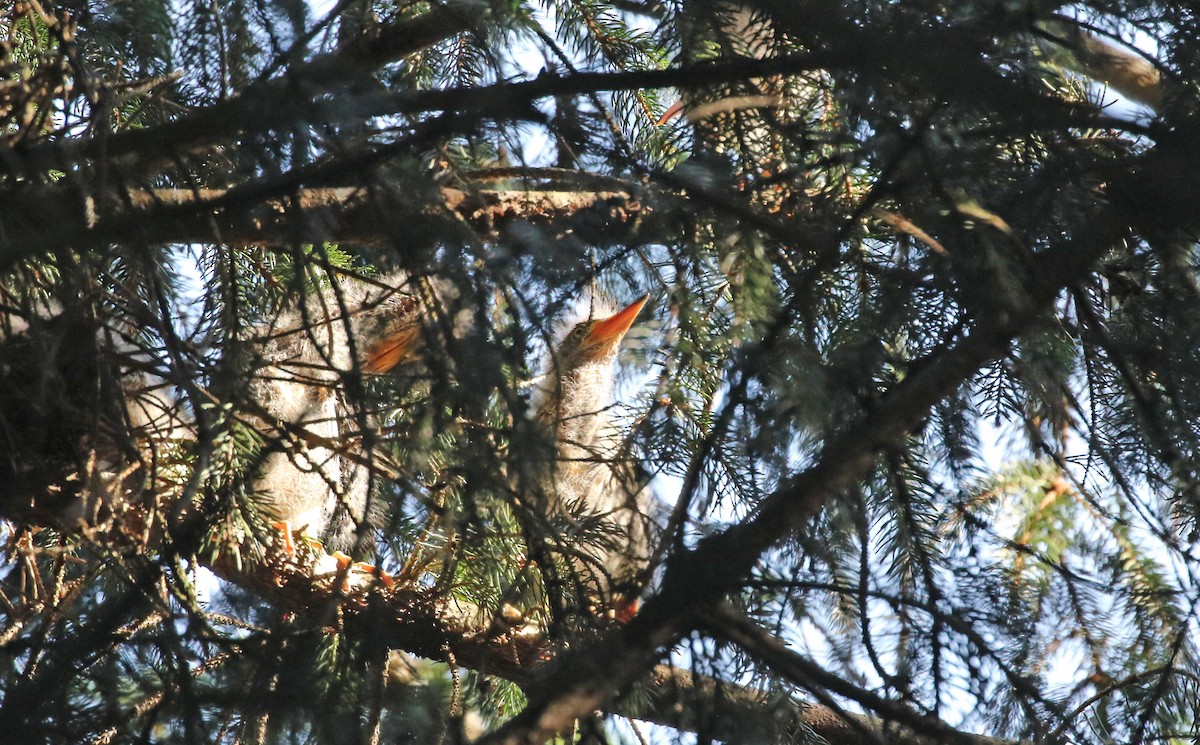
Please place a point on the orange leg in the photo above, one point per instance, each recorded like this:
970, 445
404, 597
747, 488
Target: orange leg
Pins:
347, 565
289, 543
285, 527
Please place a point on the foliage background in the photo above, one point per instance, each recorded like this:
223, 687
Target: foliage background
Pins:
879, 235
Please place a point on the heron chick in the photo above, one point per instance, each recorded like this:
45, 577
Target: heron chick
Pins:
593, 483
316, 473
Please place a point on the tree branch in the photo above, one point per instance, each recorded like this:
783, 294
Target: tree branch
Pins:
277, 104
262, 106
40, 223
900, 725
1129, 74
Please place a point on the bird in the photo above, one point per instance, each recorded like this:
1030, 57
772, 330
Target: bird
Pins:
592, 484
314, 475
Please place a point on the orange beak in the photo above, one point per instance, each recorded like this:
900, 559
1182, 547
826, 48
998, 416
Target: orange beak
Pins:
671, 112
610, 331
388, 353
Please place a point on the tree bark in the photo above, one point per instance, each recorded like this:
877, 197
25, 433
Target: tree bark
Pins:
349, 214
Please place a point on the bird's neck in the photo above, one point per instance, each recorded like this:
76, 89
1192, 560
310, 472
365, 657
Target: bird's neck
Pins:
584, 396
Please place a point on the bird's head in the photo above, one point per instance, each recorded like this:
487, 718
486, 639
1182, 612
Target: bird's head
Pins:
390, 330
388, 316
596, 339
370, 325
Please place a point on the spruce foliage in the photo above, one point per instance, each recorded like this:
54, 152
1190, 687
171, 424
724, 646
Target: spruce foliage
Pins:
915, 393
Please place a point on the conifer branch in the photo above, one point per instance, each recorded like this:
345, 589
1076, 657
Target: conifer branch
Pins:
673, 697
1130, 74
900, 724
349, 214
265, 105
292, 100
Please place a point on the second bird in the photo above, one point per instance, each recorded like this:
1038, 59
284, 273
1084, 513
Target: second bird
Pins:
314, 471
594, 484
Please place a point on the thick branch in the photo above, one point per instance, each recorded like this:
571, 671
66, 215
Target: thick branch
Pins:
356, 215
1129, 74
409, 620
77, 215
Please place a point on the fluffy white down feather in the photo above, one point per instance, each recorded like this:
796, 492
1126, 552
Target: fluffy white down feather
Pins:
592, 480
